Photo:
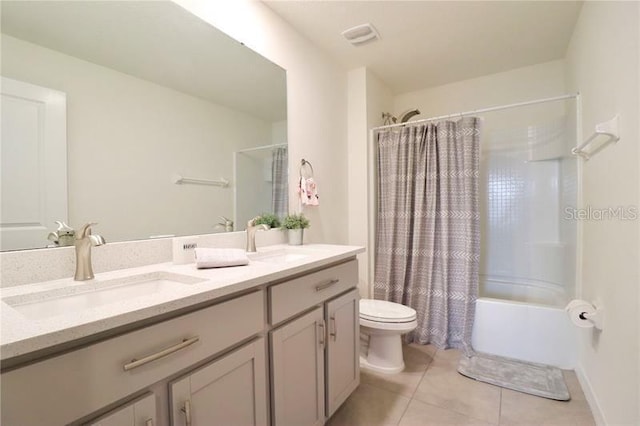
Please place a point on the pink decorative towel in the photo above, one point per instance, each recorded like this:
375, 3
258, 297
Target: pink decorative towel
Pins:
308, 191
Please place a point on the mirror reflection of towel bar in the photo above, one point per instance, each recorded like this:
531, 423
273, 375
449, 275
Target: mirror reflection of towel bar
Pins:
179, 180
608, 128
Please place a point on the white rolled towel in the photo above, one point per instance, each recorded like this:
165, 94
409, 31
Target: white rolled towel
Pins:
220, 258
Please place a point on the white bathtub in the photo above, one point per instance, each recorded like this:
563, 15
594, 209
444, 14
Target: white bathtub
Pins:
525, 321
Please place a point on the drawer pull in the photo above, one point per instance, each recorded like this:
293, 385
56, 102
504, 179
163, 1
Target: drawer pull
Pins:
334, 333
138, 362
322, 332
149, 422
327, 284
187, 412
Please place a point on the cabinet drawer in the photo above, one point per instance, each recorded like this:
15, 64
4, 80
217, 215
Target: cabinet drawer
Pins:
95, 376
294, 296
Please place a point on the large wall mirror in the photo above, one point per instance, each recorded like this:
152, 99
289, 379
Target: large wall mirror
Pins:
136, 115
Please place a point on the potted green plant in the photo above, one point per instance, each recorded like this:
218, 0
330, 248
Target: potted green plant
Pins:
269, 219
295, 225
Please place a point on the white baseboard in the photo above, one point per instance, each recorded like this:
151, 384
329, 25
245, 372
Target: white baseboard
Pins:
585, 384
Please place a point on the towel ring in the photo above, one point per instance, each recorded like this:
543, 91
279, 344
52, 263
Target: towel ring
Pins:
304, 163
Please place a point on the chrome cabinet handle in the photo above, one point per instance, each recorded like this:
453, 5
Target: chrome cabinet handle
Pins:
327, 284
187, 412
334, 333
138, 362
149, 422
322, 332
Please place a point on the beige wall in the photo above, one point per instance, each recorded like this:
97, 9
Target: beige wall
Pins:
357, 171
127, 136
602, 63
517, 85
368, 97
316, 103
379, 100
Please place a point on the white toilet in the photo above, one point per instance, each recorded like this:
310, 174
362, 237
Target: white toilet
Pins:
383, 323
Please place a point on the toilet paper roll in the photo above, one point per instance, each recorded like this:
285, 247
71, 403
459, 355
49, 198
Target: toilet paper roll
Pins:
577, 309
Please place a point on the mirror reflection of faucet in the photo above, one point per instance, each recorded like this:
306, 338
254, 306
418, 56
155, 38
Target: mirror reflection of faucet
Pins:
64, 236
226, 223
83, 242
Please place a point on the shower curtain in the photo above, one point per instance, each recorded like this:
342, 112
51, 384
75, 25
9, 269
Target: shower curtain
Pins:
428, 227
279, 182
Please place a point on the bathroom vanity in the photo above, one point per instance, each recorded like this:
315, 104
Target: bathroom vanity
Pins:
274, 342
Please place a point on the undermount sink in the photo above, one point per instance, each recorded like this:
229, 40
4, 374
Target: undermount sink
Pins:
94, 294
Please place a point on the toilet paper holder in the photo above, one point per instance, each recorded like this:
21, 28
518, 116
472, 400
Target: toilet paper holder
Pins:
596, 318
588, 312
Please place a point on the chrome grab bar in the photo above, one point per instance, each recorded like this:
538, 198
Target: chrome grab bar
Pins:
168, 351
327, 284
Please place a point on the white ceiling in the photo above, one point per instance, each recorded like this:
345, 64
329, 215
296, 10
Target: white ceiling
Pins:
429, 43
156, 41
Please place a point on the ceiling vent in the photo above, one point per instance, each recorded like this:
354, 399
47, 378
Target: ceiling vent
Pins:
361, 34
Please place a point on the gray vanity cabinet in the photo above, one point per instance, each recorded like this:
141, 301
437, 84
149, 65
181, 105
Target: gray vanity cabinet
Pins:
297, 351
105, 372
209, 366
315, 353
343, 350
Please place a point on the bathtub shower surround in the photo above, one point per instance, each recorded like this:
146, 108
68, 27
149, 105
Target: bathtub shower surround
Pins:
428, 227
528, 181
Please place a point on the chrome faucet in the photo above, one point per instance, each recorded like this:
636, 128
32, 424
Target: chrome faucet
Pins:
252, 228
83, 242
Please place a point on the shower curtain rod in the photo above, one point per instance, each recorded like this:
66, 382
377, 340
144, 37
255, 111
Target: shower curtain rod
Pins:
479, 111
260, 148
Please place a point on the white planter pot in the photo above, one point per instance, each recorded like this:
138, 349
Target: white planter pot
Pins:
295, 237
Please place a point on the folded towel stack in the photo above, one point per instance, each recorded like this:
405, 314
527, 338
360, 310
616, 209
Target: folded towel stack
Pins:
220, 258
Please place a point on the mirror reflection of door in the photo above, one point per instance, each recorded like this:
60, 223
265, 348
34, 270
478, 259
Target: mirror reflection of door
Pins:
34, 164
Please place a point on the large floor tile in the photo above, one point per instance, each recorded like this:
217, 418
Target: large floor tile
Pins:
522, 409
421, 414
370, 406
427, 349
448, 356
444, 387
575, 390
416, 360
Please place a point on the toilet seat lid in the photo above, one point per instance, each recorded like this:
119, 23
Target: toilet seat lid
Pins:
383, 311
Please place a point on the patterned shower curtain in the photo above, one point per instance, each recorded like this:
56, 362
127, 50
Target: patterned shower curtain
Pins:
279, 180
428, 227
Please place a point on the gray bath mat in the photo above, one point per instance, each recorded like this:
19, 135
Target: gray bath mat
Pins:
535, 379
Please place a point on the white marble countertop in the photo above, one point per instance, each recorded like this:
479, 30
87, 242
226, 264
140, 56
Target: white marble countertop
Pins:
21, 335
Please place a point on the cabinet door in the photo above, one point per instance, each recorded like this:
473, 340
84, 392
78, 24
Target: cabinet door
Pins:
343, 349
140, 413
298, 371
231, 390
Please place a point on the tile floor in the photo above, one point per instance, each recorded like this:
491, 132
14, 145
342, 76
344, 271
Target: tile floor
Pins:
430, 391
